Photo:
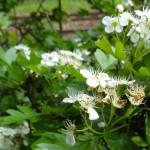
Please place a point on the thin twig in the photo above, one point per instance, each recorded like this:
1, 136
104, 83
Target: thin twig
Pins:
47, 16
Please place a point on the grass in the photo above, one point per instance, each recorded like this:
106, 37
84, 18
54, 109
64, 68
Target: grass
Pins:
68, 5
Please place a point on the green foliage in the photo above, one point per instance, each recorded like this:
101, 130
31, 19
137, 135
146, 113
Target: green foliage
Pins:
34, 87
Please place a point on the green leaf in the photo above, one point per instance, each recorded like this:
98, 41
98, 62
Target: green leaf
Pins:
143, 71
51, 141
25, 113
74, 72
139, 141
10, 56
118, 141
34, 59
17, 73
104, 45
119, 51
47, 146
147, 123
106, 61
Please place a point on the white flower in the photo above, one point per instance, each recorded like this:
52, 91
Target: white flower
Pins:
73, 97
95, 79
23, 130
112, 24
119, 8
101, 124
129, 3
70, 130
50, 59
25, 49
144, 14
135, 94
93, 115
7, 131
87, 102
5, 143
113, 83
126, 18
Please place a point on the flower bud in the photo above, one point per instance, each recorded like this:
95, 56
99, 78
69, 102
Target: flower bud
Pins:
119, 8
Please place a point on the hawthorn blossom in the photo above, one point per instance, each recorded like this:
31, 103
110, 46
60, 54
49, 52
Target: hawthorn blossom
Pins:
86, 102
69, 131
119, 8
112, 24
62, 58
126, 18
135, 94
114, 82
144, 14
9, 137
26, 50
50, 59
113, 97
95, 78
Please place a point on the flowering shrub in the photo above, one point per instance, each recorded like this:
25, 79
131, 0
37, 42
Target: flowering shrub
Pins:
66, 99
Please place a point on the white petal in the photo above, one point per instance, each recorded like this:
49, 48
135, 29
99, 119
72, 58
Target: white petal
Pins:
107, 20
104, 76
118, 28
109, 28
93, 115
103, 83
92, 82
101, 124
86, 73
69, 100
134, 38
70, 139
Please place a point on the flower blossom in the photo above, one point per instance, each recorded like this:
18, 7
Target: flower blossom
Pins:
86, 102
135, 94
112, 24
69, 131
94, 78
25, 49
61, 57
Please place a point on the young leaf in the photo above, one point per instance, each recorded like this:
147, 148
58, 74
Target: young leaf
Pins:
106, 61
104, 45
119, 51
139, 141
143, 71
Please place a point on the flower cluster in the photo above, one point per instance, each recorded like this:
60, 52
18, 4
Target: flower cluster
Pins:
61, 57
10, 138
108, 85
137, 22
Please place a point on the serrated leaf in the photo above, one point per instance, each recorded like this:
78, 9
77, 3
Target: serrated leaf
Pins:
104, 45
18, 116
